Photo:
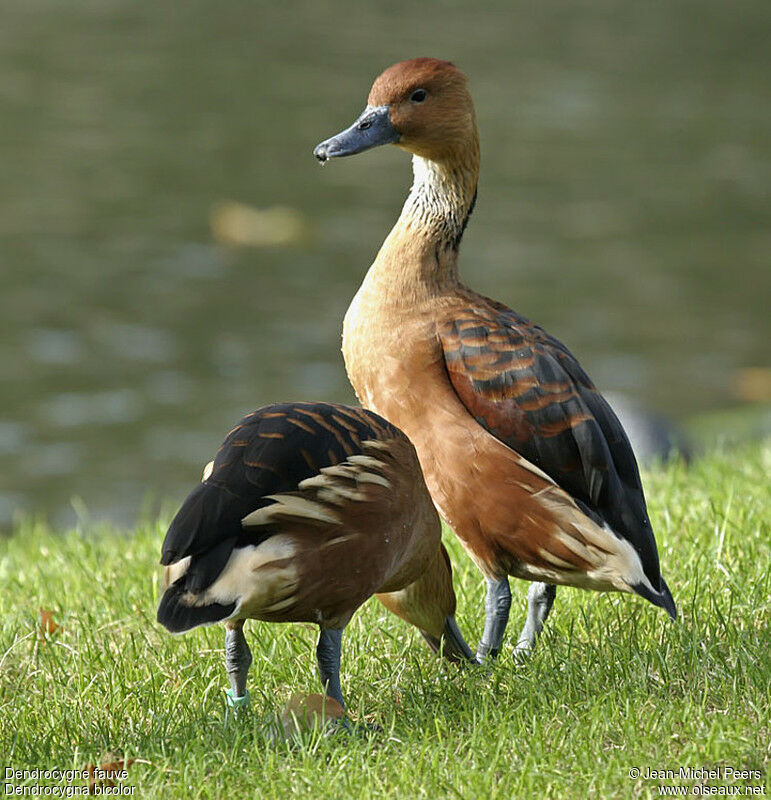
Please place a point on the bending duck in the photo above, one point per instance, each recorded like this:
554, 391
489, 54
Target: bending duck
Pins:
307, 510
522, 455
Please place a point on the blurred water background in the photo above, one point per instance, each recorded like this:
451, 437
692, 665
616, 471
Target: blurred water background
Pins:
145, 306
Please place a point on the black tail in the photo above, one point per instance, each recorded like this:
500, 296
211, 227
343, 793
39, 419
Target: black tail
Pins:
663, 598
209, 515
178, 616
668, 602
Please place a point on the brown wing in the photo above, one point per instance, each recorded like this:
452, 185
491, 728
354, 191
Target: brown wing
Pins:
528, 390
269, 452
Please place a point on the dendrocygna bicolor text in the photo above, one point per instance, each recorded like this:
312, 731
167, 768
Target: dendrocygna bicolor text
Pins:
307, 510
522, 455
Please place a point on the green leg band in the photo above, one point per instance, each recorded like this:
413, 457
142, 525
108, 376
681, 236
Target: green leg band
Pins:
237, 702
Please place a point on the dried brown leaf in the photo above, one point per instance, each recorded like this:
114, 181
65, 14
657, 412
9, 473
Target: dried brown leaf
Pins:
48, 625
107, 773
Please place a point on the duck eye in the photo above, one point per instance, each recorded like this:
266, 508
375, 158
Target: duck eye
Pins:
418, 96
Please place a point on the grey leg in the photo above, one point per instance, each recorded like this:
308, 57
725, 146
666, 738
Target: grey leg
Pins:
497, 608
328, 658
238, 659
540, 597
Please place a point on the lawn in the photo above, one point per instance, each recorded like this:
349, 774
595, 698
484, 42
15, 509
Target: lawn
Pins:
614, 686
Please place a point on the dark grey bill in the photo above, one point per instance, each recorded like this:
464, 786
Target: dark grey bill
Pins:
452, 645
371, 129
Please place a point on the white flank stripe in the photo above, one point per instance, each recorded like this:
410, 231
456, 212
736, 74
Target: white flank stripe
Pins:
366, 461
370, 477
289, 506
173, 572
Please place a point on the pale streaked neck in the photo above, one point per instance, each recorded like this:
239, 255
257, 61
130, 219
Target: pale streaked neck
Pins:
421, 253
440, 200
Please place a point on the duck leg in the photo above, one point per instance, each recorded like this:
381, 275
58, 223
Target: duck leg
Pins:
540, 597
238, 659
497, 608
328, 659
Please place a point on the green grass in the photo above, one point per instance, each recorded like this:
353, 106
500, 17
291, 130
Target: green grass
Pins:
613, 684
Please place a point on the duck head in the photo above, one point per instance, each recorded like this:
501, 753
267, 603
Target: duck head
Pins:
421, 105
429, 604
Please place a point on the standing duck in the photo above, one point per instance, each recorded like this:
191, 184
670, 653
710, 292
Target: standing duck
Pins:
307, 510
522, 455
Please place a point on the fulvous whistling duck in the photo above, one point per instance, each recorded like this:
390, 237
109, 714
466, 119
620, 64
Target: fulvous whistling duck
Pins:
522, 455
307, 510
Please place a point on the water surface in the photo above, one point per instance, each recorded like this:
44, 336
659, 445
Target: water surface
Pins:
623, 204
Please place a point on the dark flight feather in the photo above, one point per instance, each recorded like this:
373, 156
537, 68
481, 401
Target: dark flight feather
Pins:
527, 389
268, 452
177, 616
